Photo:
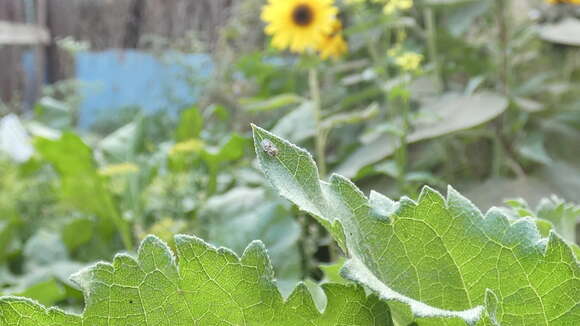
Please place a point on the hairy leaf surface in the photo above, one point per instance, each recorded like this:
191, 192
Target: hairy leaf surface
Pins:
438, 257
204, 285
243, 214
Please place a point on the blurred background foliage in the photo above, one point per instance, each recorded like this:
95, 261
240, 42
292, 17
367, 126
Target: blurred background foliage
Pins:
483, 95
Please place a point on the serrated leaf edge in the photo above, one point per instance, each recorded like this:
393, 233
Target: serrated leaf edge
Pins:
471, 316
83, 279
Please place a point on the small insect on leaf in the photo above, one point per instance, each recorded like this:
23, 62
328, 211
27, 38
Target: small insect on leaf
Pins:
269, 147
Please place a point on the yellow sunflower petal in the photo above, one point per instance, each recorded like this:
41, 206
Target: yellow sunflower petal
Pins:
299, 25
333, 44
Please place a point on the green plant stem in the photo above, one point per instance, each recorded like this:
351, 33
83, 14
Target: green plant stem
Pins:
317, 107
122, 225
429, 17
503, 73
126, 236
303, 246
498, 156
124, 229
401, 153
212, 181
501, 8
312, 237
570, 65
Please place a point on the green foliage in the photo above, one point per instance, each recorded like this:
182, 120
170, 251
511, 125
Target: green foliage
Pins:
439, 256
81, 185
242, 215
46, 271
553, 211
273, 103
492, 109
190, 124
233, 149
203, 285
448, 114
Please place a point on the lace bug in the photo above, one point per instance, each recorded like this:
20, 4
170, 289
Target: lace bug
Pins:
269, 147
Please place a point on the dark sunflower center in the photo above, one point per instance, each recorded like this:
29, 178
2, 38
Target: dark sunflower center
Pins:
303, 15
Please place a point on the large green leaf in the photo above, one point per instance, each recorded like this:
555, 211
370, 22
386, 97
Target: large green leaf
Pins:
439, 258
565, 32
299, 124
445, 115
244, 214
45, 271
559, 214
206, 286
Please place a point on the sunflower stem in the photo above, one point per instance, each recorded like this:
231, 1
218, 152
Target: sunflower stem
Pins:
402, 153
429, 17
503, 73
501, 8
320, 133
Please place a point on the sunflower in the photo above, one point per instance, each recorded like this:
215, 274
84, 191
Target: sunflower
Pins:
575, 2
298, 24
333, 44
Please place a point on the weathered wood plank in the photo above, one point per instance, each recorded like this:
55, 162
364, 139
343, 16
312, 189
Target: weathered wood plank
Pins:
22, 34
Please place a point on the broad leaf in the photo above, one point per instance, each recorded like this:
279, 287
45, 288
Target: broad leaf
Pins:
565, 32
446, 115
125, 143
559, 214
206, 286
244, 214
340, 119
46, 270
190, 124
47, 292
297, 125
439, 258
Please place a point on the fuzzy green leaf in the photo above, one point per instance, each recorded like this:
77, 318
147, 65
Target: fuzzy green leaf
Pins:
242, 214
207, 286
438, 258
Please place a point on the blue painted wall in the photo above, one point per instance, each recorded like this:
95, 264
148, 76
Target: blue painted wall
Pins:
116, 79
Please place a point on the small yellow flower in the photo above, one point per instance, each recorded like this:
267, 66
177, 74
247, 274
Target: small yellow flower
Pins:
333, 45
409, 61
188, 146
298, 24
406, 60
392, 6
118, 169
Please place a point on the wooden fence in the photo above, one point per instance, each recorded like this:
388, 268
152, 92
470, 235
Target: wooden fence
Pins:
31, 27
